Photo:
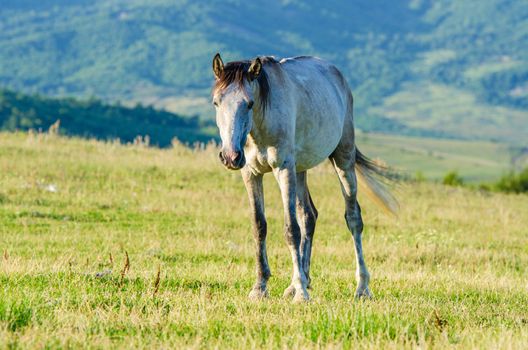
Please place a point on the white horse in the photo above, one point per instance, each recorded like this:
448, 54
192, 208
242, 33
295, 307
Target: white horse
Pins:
287, 117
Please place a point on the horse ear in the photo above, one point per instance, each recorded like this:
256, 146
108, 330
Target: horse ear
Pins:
255, 69
218, 66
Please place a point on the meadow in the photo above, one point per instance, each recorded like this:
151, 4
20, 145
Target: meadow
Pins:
432, 158
124, 246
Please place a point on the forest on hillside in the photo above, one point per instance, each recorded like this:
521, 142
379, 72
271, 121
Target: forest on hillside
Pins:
93, 118
425, 54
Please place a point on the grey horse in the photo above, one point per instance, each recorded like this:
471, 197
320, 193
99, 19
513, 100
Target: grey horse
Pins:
286, 117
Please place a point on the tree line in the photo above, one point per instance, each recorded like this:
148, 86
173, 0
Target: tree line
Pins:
96, 119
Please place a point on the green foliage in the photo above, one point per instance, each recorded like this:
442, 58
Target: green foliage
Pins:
93, 118
506, 87
453, 179
15, 316
419, 176
512, 182
137, 50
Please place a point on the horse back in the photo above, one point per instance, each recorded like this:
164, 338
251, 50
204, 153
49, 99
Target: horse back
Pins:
323, 102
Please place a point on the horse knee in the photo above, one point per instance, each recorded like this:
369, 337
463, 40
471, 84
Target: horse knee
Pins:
292, 234
307, 216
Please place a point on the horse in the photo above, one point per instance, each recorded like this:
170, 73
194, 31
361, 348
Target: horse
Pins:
286, 117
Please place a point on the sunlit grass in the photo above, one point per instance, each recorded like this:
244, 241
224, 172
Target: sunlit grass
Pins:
450, 271
475, 161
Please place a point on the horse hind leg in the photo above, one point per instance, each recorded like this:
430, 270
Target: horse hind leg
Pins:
307, 217
344, 166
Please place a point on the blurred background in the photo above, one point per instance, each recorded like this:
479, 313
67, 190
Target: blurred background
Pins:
440, 87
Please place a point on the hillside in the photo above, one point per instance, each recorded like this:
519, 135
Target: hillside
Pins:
418, 67
432, 158
449, 272
95, 119
474, 161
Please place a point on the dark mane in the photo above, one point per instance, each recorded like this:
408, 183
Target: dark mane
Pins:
236, 72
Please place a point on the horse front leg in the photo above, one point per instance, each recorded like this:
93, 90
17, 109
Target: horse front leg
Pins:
286, 177
256, 200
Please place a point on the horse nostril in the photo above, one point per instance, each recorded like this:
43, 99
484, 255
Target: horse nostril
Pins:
232, 159
239, 161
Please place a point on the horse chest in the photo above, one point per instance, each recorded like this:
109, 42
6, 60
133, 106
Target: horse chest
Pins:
258, 159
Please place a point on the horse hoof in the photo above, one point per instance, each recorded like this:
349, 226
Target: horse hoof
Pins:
363, 294
301, 296
289, 292
258, 294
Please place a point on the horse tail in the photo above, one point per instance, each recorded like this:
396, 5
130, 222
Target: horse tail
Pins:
373, 179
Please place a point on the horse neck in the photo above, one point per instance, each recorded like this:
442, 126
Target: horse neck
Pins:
258, 114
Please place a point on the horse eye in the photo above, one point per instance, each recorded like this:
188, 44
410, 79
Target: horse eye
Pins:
215, 103
250, 104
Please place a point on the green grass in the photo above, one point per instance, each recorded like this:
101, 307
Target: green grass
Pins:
475, 161
449, 272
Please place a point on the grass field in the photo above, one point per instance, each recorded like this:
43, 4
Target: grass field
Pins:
450, 271
475, 161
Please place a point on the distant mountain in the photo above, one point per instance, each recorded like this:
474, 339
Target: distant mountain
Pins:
92, 118
437, 68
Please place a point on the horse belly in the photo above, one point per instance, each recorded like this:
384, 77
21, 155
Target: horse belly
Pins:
317, 139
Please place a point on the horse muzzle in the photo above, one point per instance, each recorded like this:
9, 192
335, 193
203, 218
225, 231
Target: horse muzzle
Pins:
233, 160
